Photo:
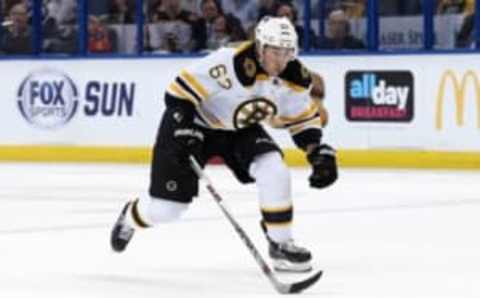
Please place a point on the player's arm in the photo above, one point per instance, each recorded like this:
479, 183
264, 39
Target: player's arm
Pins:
321, 156
301, 116
304, 122
177, 124
318, 94
186, 92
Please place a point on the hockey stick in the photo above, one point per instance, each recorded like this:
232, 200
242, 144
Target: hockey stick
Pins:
282, 288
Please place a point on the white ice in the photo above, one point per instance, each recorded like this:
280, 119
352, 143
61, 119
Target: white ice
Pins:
376, 234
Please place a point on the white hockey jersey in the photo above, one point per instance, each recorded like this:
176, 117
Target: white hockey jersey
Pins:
231, 91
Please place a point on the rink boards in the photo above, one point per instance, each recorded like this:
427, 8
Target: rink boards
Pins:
385, 111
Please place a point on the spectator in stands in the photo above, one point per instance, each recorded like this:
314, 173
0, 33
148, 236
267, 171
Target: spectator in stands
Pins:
64, 11
456, 7
171, 10
172, 28
63, 41
450, 6
154, 7
59, 26
101, 39
469, 7
204, 27
354, 8
265, 8
7, 5
17, 39
465, 37
221, 34
339, 36
245, 10
121, 12
286, 9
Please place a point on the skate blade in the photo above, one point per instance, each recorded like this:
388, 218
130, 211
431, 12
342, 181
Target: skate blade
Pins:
286, 266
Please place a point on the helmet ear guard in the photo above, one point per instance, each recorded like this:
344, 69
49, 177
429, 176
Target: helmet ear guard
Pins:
277, 32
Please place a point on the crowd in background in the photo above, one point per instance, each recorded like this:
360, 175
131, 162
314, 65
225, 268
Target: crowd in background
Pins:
197, 25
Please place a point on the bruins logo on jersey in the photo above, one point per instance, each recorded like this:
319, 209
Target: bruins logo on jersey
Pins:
253, 111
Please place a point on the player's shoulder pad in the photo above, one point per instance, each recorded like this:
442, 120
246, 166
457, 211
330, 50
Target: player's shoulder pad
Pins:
297, 74
246, 64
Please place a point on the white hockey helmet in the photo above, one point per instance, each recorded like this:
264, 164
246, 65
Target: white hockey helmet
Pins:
277, 32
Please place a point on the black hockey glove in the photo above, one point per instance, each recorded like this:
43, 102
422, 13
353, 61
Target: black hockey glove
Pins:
324, 164
186, 135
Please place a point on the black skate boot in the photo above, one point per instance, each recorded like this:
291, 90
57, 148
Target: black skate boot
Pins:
121, 232
287, 256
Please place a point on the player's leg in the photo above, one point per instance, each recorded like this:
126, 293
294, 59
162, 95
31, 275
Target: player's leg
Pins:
172, 186
141, 213
257, 157
273, 184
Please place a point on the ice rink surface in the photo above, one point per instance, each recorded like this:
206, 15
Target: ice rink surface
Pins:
375, 233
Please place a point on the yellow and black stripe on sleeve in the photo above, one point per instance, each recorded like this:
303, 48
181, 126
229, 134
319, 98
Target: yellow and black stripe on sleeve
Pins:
277, 216
307, 119
188, 87
306, 114
175, 90
313, 122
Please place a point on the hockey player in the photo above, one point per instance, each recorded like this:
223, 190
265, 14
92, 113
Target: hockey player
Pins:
215, 107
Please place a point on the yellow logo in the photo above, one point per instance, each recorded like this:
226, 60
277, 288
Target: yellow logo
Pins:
459, 88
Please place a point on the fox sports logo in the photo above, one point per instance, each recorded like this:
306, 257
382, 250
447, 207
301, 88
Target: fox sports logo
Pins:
47, 98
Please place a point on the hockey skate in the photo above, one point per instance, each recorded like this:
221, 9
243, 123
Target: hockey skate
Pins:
121, 232
287, 256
